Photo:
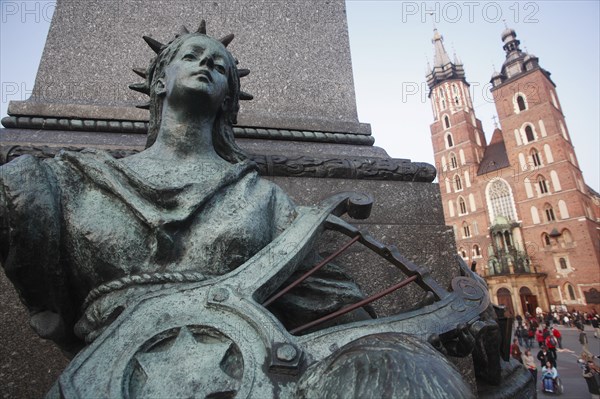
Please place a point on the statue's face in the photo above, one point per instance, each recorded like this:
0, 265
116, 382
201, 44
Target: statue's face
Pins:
198, 72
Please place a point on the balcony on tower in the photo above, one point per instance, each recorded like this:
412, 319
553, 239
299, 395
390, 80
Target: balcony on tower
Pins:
507, 254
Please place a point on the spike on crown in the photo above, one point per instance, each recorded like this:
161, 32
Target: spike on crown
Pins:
158, 47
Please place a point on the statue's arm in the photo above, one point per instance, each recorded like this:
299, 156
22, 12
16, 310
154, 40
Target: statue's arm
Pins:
30, 245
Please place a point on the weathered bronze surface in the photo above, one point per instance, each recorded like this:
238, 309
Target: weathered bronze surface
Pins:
153, 268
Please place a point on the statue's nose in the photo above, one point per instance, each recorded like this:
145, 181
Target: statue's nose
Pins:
208, 61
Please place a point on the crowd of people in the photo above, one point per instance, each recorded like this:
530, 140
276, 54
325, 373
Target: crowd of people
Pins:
538, 333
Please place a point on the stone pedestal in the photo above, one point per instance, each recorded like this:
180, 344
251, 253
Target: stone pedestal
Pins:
298, 53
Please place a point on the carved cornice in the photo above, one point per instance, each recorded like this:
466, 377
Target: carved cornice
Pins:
93, 125
345, 168
278, 165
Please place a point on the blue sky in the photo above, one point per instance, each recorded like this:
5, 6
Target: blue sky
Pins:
390, 43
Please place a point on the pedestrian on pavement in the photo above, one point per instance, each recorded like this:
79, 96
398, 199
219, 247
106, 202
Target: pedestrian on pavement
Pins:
583, 339
530, 337
529, 363
596, 326
544, 356
520, 333
515, 351
533, 322
539, 337
591, 373
558, 336
551, 343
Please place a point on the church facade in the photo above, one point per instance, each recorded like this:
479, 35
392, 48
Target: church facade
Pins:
521, 211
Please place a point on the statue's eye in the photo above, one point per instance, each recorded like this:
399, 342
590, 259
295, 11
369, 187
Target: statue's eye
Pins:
220, 68
190, 57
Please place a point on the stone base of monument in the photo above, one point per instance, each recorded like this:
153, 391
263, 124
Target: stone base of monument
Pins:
516, 384
29, 364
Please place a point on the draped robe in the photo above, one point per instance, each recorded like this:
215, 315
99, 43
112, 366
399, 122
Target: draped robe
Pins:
83, 220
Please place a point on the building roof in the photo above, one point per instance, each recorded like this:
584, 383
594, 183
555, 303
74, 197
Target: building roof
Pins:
592, 192
517, 62
495, 156
443, 68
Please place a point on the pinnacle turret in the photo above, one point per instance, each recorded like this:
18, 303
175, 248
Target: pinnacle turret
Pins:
443, 68
517, 62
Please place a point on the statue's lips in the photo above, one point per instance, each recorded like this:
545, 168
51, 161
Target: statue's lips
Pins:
203, 75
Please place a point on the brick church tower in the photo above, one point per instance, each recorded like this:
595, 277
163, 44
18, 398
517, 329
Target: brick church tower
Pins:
518, 205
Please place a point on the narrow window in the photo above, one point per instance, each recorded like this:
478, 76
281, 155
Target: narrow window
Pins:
529, 134
571, 292
546, 239
542, 185
563, 263
466, 230
521, 103
535, 157
453, 163
476, 250
462, 205
550, 213
457, 183
449, 140
447, 122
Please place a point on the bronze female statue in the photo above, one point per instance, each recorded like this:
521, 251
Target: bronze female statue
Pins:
83, 233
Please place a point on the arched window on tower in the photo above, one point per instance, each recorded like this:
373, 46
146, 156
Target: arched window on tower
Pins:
442, 98
446, 122
462, 206
455, 94
476, 251
449, 140
535, 158
457, 183
563, 263
453, 162
521, 103
549, 213
542, 184
546, 240
529, 134
466, 230
500, 200
571, 292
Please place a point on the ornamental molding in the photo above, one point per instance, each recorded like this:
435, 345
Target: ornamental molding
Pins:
359, 168
112, 126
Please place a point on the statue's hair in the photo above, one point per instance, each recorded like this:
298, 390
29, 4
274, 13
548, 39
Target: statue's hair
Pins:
222, 131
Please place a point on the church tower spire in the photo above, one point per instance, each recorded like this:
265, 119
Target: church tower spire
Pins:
441, 56
443, 68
